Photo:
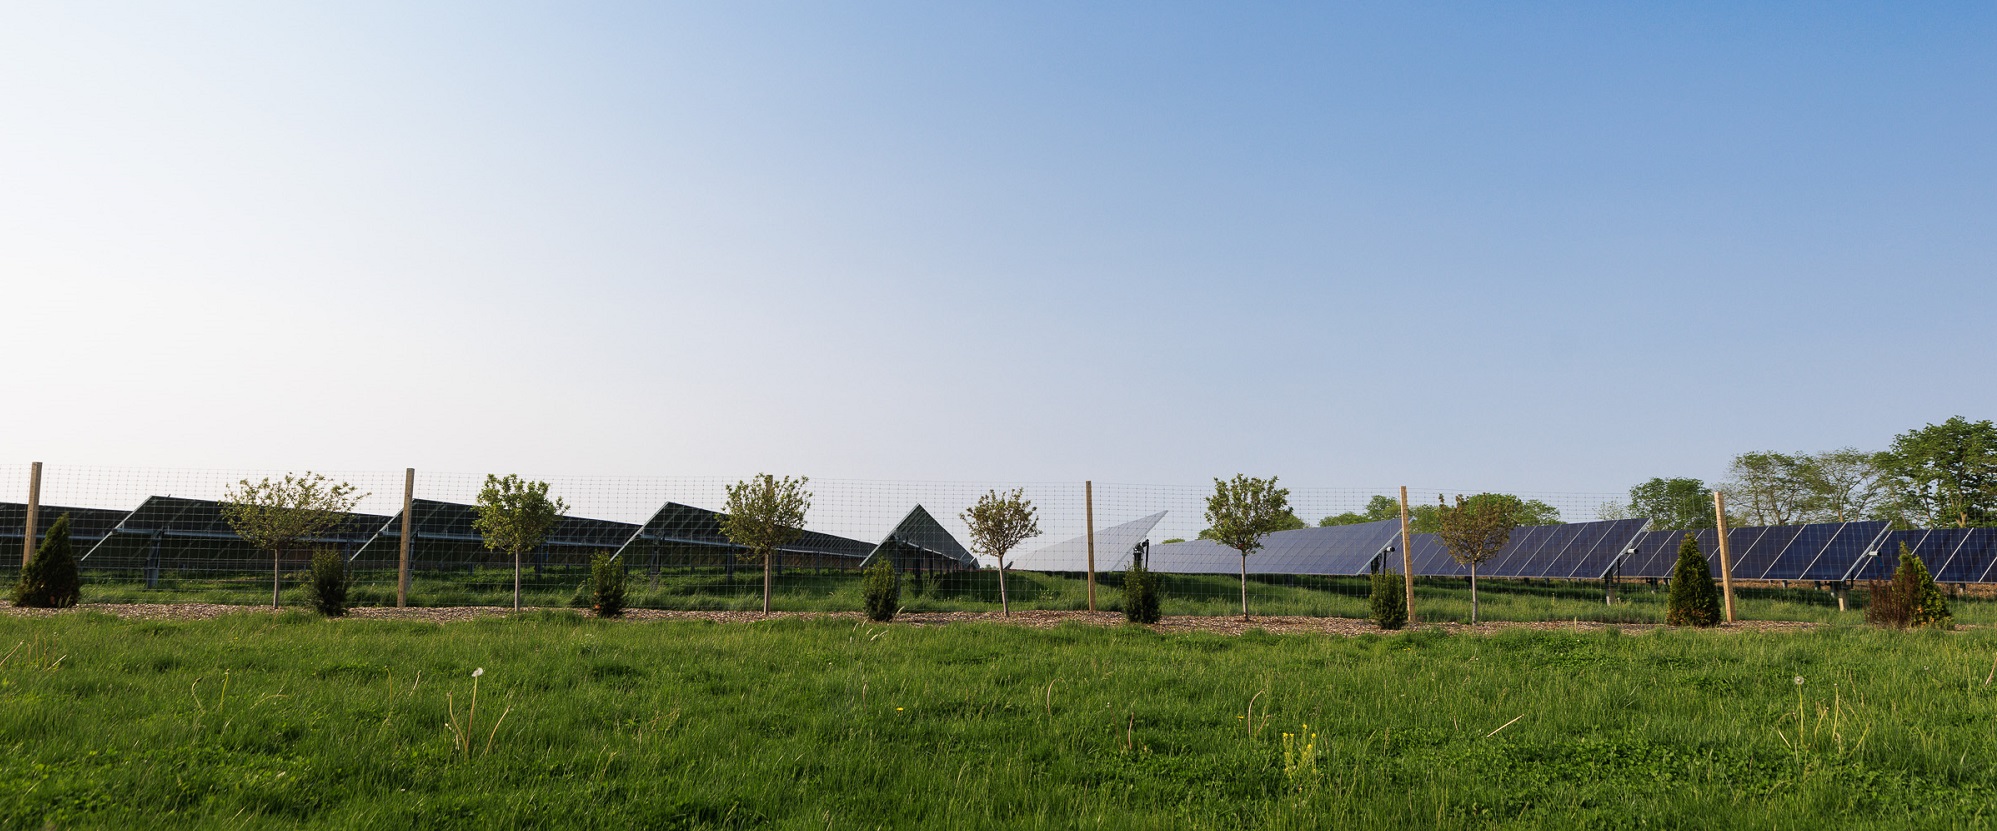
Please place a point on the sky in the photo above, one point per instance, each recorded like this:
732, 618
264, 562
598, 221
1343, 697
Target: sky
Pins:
1528, 247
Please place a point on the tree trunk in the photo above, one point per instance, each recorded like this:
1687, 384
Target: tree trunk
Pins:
1244, 585
767, 556
516, 581
1473, 594
1004, 605
275, 581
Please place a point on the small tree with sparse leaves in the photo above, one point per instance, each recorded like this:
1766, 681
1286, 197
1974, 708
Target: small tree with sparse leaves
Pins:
1473, 531
515, 516
999, 523
880, 590
1694, 600
1241, 512
50, 581
765, 513
279, 515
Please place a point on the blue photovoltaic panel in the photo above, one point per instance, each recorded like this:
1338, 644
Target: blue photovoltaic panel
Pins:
1535, 554
1973, 558
1562, 548
1656, 551
1609, 540
1348, 550
1755, 550
1933, 547
1801, 552
1524, 546
1852, 541
1431, 559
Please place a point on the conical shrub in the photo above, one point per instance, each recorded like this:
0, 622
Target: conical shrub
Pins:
880, 590
1925, 606
328, 583
1140, 594
606, 585
1694, 599
49, 581
1389, 601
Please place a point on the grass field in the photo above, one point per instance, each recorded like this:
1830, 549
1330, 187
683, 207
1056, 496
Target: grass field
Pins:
256, 720
1439, 599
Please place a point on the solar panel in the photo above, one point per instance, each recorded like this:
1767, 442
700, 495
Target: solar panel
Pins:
1655, 553
1582, 550
1113, 547
86, 525
178, 533
1431, 559
1522, 551
1975, 560
1601, 546
445, 534
1756, 548
920, 542
1336, 550
684, 535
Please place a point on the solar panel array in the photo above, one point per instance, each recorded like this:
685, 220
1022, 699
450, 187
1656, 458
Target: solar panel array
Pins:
1575, 551
1337, 550
1113, 549
1819, 552
920, 543
684, 535
1952, 555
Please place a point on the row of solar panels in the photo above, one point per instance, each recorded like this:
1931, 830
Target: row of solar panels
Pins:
168, 531
1577, 551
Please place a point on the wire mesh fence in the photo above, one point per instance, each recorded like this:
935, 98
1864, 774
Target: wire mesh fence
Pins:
151, 534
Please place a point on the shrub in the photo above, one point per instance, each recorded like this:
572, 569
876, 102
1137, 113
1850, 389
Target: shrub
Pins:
1909, 599
1389, 600
880, 590
606, 585
1694, 600
49, 581
327, 587
1140, 595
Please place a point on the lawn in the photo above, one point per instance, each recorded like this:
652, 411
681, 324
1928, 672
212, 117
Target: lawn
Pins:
255, 720
1437, 599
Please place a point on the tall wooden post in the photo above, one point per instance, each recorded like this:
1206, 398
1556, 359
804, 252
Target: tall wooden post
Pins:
34, 508
1089, 514
1726, 552
1407, 556
408, 534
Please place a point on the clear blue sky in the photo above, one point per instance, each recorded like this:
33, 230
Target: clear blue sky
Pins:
1559, 247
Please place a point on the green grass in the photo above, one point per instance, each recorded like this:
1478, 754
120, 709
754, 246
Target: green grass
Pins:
815, 724
1437, 600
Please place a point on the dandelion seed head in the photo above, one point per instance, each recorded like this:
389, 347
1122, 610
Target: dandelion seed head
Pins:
481, 671
1799, 680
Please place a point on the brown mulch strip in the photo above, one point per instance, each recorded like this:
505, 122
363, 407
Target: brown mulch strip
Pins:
1035, 619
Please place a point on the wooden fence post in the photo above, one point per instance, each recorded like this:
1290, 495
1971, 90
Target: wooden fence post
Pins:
408, 531
34, 507
1726, 552
1089, 512
1407, 556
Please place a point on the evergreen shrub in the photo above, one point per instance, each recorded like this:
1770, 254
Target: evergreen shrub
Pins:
606, 585
880, 590
327, 587
1910, 599
49, 581
1389, 601
1141, 595
1694, 599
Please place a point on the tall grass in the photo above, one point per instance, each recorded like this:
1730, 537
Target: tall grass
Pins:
814, 724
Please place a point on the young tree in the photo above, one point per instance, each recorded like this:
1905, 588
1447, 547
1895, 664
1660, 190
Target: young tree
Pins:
276, 516
1287, 521
1944, 474
49, 581
765, 513
1694, 601
1473, 531
999, 523
515, 516
1241, 512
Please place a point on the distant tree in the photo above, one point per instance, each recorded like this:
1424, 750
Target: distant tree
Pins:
999, 523
1694, 601
515, 516
1847, 484
1170, 540
1378, 508
277, 516
764, 514
1613, 511
1770, 488
50, 581
1473, 531
1943, 474
1241, 512
1673, 504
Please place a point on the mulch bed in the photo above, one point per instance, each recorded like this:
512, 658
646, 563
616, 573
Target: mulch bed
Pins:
1035, 619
